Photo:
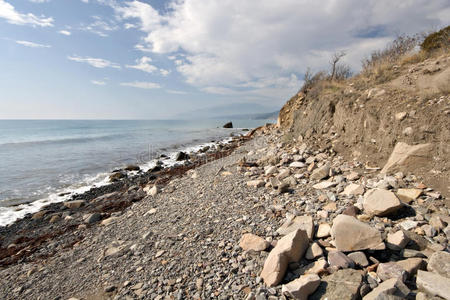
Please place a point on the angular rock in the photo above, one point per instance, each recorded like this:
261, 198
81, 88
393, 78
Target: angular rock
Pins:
315, 267
390, 270
74, 204
339, 260
151, 190
405, 157
351, 211
437, 223
353, 235
397, 241
381, 202
323, 230
297, 164
299, 222
109, 221
359, 258
390, 289
253, 242
433, 284
256, 183
440, 263
400, 116
408, 195
408, 225
341, 285
302, 287
270, 170
353, 190
313, 251
324, 185
412, 265
289, 248
320, 173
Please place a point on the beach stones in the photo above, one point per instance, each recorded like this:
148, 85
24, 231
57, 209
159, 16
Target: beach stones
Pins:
380, 202
299, 222
302, 287
352, 235
74, 204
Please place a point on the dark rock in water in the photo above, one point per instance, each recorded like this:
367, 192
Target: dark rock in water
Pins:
245, 129
181, 156
132, 168
205, 149
117, 176
228, 125
163, 156
155, 169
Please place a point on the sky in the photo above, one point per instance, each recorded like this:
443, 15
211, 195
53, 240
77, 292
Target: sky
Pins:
156, 59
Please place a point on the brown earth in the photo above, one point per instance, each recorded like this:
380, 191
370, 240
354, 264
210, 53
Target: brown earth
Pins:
357, 118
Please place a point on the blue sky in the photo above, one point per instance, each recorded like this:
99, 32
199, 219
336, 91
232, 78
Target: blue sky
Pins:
110, 59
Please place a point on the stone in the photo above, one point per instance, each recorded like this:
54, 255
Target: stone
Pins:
302, 287
390, 270
405, 157
299, 222
256, 183
320, 173
151, 190
324, 185
412, 265
54, 219
297, 164
289, 248
341, 285
39, 214
283, 174
109, 221
270, 170
181, 156
397, 241
433, 284
339, 260
408, 195
323, 230
392, 289
409, 253
313, 251
380, 202
353, 190
353, 235
92, 218
351, 211
315, 267
253, 242
352, 176
408, 224
74, 204
228, 125
436, 223
330, 207
440, 263
375, 93
359, 258
400, 116
408, 131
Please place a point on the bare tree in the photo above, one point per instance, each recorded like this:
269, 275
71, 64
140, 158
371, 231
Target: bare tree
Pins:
334, 60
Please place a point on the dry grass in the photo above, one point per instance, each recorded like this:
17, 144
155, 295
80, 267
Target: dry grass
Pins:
444, 87
415, 58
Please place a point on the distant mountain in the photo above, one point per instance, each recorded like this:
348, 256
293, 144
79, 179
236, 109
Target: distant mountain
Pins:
234, 110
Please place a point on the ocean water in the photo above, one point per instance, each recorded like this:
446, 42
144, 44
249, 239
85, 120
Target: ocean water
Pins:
42, 159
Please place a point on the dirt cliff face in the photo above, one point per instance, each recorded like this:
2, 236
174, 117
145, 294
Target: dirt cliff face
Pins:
364, 120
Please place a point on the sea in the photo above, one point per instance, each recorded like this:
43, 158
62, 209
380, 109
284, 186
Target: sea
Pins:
45, 161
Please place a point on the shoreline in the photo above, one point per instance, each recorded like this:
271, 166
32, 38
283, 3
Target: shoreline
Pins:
101, 180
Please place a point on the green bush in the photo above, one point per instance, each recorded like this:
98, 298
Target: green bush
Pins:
437, 40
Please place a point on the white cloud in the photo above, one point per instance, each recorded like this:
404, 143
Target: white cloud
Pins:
65, 32
85, 1
177, 92
142, 85
39, 1
32, 45
100, 27
95, 62
164, 72
129, 26
12, 16
143, 64
98, 82
263, 46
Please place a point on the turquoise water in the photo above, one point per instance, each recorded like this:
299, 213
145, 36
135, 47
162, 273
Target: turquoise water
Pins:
42, 158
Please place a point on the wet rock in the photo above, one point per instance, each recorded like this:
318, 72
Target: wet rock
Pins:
390, 289
132, 168
343, 285
74, 204
433, 284
440, 263
228, 125
299, 222
380, 202
397, 241
253, 242
181, 156
406, 157
359, 258
408, 195
302, 287
390, 270
117, 176
353, 235
289, 248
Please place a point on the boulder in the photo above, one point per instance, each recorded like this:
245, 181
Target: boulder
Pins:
408, 195
381, 202
412, 265
433, 284
320, 173
339, 260
397, 241
440, 263
74, 204
302, 287
253, 242
289, 248
323, 230
359, 258
299, 222
228, 125
353, 235
390, 270
341, 285
405, 157
390, 289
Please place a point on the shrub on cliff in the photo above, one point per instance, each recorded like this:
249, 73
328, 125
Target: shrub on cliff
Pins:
437, 40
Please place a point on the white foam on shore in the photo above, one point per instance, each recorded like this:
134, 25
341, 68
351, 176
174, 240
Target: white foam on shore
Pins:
9, 215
